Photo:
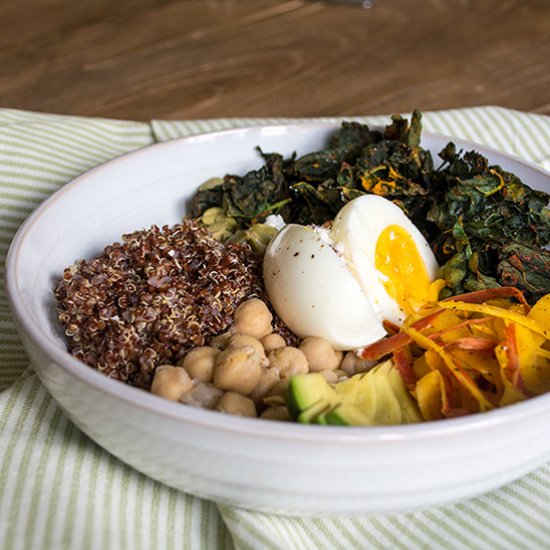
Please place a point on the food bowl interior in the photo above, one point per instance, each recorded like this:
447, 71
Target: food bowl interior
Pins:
154, 186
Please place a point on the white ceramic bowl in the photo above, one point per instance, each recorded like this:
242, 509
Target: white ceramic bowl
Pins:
258, 464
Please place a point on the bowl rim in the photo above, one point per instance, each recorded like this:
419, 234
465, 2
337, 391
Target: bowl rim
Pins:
266, 429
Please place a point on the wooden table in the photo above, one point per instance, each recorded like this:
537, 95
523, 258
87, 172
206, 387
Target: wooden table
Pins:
143, 59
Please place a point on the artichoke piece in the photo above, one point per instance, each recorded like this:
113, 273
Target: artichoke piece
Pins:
208, 194
218, 223
258, 236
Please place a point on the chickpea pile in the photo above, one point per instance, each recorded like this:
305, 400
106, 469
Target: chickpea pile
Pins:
246, 370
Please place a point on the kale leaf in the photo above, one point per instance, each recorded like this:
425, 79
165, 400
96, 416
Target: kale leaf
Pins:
486, 227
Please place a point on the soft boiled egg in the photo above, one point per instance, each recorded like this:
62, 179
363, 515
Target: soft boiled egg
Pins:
314, 292
373, 265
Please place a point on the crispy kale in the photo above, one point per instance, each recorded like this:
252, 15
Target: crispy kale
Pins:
486, 227
493, 228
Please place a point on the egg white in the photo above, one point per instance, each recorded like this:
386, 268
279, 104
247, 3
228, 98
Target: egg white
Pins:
355, 233
314, 292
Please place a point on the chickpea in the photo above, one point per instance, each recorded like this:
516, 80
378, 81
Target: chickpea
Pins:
268, 379
319, 354
277, 393
171, 382
199, 363
253, 318
289, 361
276, 413
238, 369
204, 395
330, 376
274, 400
235, 403
348, 363
272, 342
240, 340
352, 364
220, 341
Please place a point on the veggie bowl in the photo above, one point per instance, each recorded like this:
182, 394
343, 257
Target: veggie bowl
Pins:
258, 464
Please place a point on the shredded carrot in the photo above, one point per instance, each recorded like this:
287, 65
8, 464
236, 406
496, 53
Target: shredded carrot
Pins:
383, 347
468, 323
459, 373
471, 353
481, 296
511, 349
403, 363
390, 328
498, 312
473, 343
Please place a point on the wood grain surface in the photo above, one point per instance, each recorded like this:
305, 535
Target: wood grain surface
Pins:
143, 59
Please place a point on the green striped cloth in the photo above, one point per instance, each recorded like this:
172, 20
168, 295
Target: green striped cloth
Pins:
58, 489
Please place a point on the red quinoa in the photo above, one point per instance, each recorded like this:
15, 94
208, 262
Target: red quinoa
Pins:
149, 300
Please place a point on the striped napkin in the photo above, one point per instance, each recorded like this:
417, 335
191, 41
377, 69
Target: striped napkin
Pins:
58, 489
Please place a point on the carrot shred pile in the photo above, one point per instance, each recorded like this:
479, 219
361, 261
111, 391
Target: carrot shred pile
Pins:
472, 353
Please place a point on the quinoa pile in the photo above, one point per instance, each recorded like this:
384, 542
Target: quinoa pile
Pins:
148, 300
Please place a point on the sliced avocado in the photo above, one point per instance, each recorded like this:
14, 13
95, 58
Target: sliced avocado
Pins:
313, 414
323, 417
346, 414
376, 397
306, 391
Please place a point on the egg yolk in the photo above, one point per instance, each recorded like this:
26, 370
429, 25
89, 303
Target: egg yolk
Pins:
406, 279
